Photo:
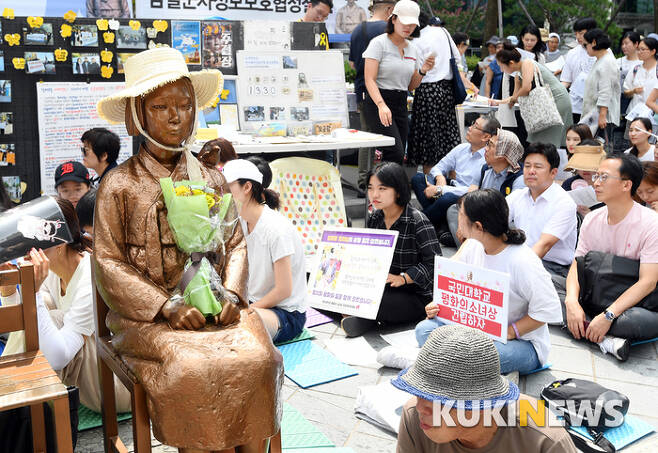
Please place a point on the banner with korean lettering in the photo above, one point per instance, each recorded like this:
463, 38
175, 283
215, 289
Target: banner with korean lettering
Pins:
472, 296
285, 10
351, 270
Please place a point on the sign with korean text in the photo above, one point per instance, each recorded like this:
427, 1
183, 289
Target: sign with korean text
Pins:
351, 270
472, 296
286, 10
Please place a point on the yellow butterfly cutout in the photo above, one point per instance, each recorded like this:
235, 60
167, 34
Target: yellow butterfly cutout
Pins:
65, 30
102, 24
108, 37
13, 40
8, 13
225, 94
107, 71
19, 63
61, 54
106, 56
35, 22
70, 16
160, 25
214, 103
135, 24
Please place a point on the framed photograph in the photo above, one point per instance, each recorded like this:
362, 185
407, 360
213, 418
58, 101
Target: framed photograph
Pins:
7, 154
84, 36
254, 113
6, 123
186, 37
13, 187
5, 90
40, 36
121, 60
39, 63
86, 63
217, 45
127, 38
2, 60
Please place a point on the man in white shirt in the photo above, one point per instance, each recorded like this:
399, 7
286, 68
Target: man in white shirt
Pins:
466, 160
577, 65
544, 210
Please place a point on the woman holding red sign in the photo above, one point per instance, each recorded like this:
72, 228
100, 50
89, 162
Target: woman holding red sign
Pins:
532, 302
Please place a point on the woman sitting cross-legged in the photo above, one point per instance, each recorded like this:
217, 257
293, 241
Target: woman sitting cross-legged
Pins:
277, 278
409, 282
533, 301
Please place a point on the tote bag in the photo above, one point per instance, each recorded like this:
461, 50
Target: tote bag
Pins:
538, 108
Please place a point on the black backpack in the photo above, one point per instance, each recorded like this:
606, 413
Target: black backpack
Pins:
571, 397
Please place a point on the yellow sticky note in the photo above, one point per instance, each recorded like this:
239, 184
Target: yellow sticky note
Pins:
207, 133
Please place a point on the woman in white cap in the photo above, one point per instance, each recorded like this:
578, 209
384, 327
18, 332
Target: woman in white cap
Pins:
208, 387
277, 277
392, 68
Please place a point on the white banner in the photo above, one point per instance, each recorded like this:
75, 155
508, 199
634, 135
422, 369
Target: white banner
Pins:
472, 296
351, 270
66, 111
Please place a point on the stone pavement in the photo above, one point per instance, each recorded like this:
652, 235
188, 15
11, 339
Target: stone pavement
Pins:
330, 406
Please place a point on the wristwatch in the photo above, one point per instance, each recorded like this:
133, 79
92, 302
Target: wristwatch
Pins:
609, 316
404, 276
439, 192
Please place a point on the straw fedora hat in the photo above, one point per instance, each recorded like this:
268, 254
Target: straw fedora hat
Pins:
586, 158
152, 69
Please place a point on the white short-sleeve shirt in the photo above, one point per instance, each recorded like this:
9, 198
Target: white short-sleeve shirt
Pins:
531, 293
554, 213
274, 238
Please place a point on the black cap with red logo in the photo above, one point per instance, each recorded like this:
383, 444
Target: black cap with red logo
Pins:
72, 171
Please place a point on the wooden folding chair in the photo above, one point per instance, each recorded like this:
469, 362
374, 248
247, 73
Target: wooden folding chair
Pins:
27, 379
110, 363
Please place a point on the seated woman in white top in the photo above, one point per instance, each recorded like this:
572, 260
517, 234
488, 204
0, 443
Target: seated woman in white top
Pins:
66, 328
639, 133
277, 275
533, 301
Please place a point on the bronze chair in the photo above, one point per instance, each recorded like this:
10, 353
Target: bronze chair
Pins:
27, 379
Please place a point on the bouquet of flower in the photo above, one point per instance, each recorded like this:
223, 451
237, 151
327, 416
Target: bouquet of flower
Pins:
195, 213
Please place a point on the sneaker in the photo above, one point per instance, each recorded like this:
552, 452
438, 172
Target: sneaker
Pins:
620, 348
447, 239
355, 327
400, 358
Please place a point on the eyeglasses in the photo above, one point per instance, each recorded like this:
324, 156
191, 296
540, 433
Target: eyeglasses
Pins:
475, 126
603, 177
84, 150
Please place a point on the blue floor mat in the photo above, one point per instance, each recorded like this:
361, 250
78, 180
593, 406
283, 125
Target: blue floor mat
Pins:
644, 341
633, 429
537, 370
307, 364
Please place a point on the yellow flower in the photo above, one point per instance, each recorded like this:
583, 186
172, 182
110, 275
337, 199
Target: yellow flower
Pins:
182, 191
102, 24
35, 22
160, 25
107, 71
135, 24
70, 16
65, 30
197, 192
210, 200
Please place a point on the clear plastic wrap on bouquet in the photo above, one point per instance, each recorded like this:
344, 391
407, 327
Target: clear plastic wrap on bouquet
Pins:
196, 216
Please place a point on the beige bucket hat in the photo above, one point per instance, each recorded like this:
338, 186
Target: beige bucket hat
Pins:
152, 69
586, 158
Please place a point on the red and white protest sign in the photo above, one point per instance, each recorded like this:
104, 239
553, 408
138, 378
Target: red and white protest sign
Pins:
472, 296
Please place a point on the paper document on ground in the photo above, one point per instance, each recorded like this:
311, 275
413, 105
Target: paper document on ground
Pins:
405, 339
353, 351
381, 405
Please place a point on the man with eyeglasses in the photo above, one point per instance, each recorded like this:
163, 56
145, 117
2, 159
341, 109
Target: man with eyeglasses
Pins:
544, 210
434, 192
621, 228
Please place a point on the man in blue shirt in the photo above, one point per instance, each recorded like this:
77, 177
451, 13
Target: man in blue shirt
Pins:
361, 36
466, 160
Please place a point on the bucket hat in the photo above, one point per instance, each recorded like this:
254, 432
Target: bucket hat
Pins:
407, 12
586, 158
152, 69
460, 366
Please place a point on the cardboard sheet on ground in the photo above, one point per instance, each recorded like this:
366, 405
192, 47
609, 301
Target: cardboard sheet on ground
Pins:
472, 296
307, 364
353, 351
405, 339
381, 405
351, 273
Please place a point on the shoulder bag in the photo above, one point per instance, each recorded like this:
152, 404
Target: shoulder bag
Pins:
458, 90
538, 108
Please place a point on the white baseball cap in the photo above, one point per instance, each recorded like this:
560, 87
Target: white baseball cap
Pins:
554, 35
407, 12
241, 169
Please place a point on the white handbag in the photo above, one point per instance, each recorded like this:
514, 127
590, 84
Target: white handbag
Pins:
538, 108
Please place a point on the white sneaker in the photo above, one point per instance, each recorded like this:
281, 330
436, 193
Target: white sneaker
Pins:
395, 357
618, 347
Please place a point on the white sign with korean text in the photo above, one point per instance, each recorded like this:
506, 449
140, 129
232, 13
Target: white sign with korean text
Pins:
472, 296
351, 271
285, 10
